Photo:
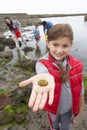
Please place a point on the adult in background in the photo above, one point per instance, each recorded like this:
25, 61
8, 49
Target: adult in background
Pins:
15, 28
46, 26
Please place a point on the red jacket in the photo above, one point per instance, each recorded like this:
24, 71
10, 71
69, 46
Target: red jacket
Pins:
75, 78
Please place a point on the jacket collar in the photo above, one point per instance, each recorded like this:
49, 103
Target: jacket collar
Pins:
51, 59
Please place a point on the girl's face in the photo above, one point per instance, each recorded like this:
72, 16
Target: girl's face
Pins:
59, 48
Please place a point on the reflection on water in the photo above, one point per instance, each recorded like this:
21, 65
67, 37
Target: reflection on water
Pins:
79, 48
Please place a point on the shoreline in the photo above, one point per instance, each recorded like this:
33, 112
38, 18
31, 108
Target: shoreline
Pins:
10, 78
46, 15
30, 19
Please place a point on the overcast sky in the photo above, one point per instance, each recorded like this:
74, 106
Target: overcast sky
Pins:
43, 6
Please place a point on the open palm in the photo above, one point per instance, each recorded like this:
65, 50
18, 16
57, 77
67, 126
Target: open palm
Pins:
39, 93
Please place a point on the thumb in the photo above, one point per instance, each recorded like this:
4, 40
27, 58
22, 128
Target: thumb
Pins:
26, 82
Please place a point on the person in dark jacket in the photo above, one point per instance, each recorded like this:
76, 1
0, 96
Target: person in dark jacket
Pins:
46, 26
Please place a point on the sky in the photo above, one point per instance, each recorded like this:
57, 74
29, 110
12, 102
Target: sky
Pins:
43, 6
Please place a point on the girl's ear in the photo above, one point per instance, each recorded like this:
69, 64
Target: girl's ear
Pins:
47, 42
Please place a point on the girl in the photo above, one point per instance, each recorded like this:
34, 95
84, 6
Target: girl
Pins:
63, 97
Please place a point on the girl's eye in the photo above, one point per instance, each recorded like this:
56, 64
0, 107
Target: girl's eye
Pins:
65, 46
55, 44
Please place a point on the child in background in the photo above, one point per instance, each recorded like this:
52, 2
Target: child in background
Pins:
63, 97
37, 35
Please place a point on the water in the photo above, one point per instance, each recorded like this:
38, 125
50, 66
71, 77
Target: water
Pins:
79, 48
28, 35
79, 26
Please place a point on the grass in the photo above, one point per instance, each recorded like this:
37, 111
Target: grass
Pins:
85, 81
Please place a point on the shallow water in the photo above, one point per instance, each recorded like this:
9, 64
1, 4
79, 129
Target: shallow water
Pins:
79, 48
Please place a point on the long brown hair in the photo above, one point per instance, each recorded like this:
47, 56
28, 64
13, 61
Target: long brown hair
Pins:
60, 30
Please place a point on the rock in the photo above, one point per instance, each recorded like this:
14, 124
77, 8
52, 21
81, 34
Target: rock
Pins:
81, 123
5, 57
6, 54
6, 42
2, 47
2, 35
4, 99
13, 106
85, 18
27, 49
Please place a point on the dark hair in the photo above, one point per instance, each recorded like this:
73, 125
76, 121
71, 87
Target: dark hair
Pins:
60, 30
9, 25
7, 18
44, 22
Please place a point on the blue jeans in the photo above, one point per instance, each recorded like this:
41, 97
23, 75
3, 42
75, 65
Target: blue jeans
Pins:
62, 122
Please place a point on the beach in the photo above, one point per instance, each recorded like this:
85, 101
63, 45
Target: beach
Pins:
11, 75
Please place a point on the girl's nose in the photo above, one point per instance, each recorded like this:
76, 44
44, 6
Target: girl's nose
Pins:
59, 49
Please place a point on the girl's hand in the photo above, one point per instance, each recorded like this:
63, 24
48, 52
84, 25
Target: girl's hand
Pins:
75, 119
39, 93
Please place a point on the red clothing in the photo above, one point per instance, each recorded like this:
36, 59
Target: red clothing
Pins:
37, 37
17, 32
75, 78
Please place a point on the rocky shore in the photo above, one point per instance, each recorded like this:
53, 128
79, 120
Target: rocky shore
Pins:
24, 19
27, 20
14, 111
18, 115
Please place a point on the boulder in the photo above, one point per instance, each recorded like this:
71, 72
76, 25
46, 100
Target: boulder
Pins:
6, 54
85, 18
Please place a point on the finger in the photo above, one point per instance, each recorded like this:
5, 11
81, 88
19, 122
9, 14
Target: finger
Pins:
51, 97
25, 82
37, 102
74, 121
32, 99
43, 101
